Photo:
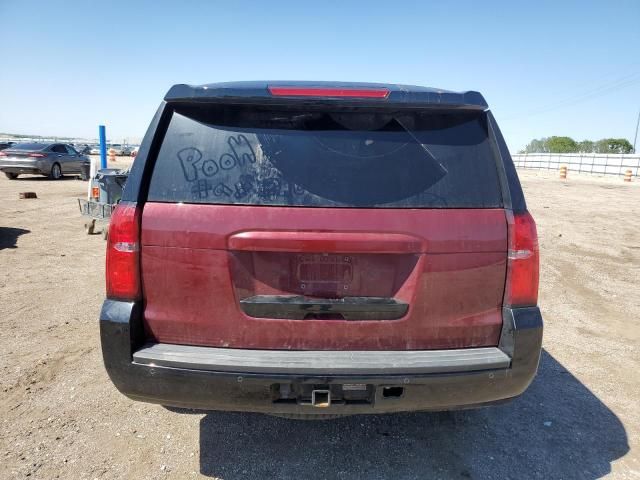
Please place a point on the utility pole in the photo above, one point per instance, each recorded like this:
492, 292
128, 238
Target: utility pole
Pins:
635, 138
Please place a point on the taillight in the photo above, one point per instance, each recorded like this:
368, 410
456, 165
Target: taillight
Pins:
123, 253
38, 155
95, 192
523, 261
328, 92
2, 154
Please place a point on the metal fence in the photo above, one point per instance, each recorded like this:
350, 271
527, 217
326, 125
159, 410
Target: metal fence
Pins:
614, 164
130, 141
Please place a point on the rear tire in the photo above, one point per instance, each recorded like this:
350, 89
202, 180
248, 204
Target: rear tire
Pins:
56, 172
11, 176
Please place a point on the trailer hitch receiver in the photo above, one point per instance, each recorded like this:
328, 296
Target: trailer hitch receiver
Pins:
321, 398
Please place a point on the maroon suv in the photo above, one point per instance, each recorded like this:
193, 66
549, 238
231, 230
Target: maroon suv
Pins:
310, 248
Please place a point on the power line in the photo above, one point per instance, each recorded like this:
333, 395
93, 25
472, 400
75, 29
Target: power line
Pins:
605, 89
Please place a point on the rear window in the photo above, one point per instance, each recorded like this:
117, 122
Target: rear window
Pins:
28, 146
248, 156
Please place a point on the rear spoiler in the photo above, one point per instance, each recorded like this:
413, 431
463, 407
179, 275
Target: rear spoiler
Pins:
326, 93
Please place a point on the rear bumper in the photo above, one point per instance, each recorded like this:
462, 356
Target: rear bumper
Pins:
19, 169
252, 380
33, 166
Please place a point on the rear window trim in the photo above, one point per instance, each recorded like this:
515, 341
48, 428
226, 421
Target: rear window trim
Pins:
321, 104
331, 207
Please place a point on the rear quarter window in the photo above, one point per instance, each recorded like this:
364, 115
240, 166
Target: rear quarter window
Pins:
219, 155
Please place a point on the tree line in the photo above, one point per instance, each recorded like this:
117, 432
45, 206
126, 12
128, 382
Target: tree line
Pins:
569, 145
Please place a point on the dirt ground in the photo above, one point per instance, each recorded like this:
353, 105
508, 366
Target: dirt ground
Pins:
60, 417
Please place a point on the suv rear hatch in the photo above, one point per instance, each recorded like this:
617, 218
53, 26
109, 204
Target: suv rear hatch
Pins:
322, 227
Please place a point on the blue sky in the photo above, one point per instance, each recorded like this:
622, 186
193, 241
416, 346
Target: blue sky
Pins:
546, 68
